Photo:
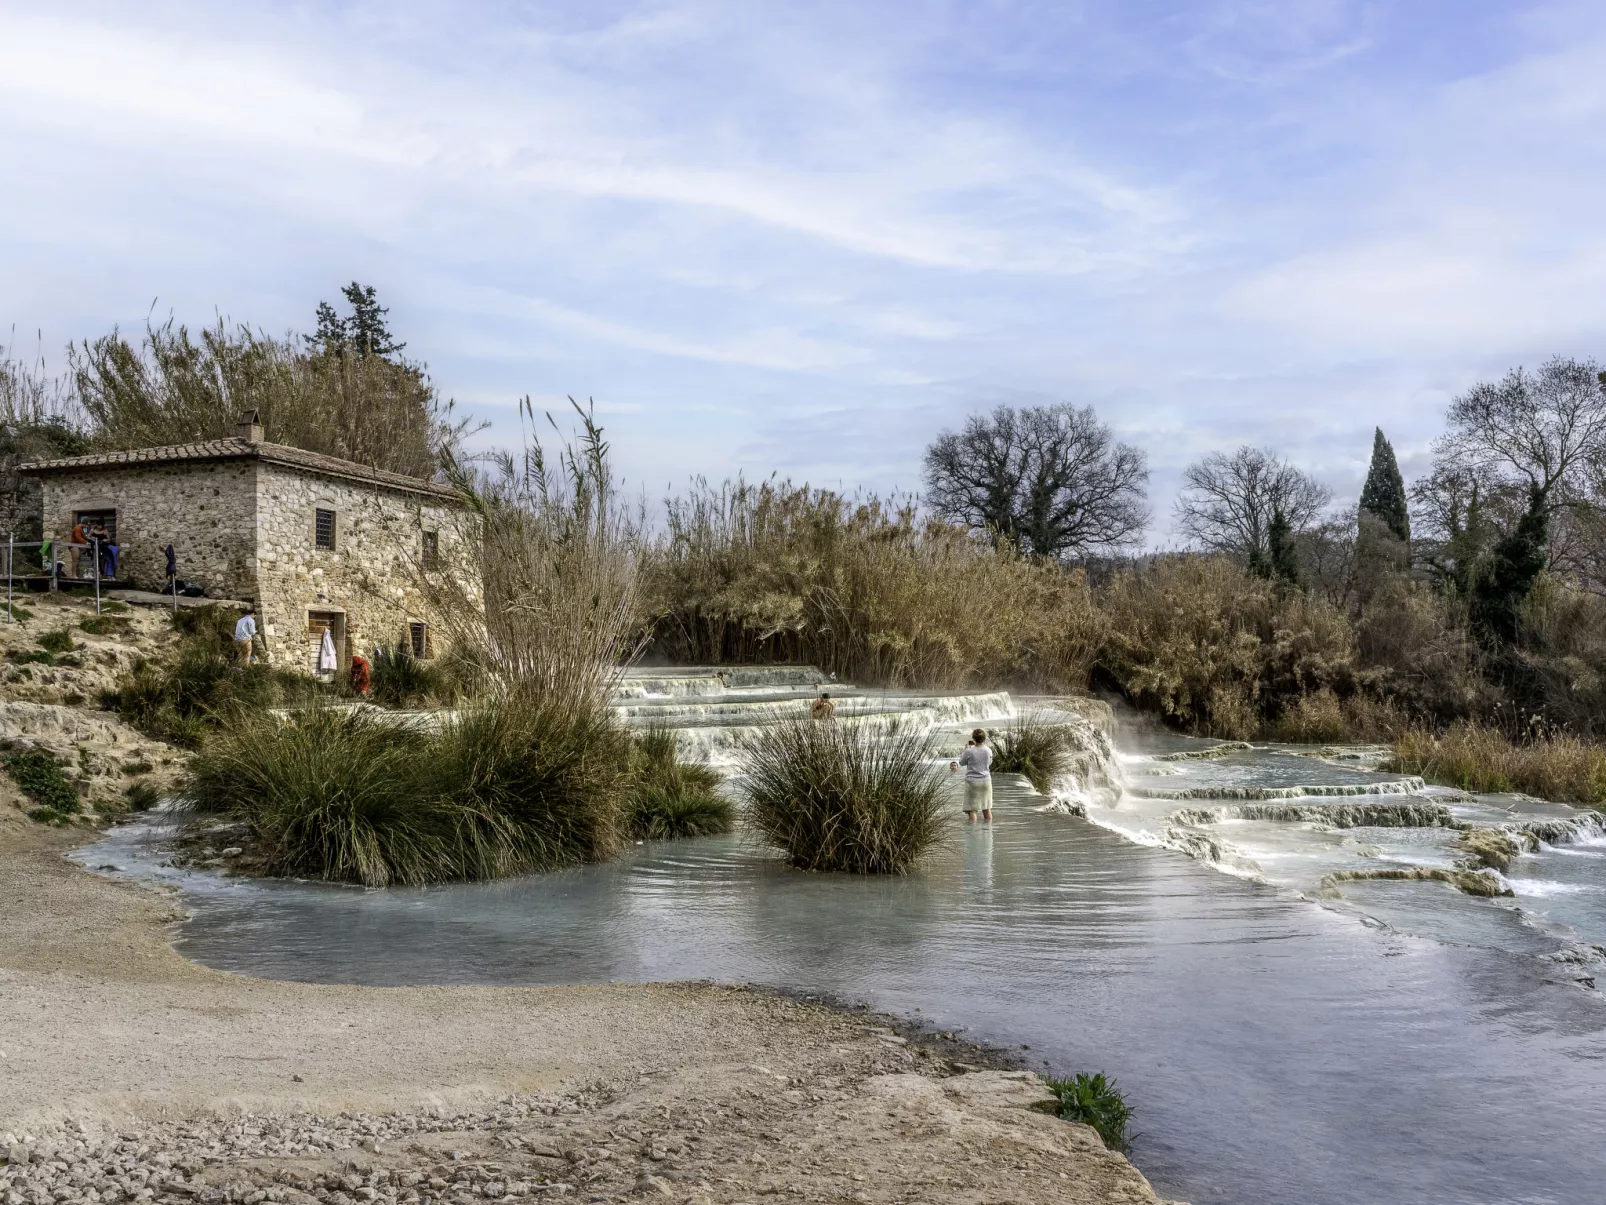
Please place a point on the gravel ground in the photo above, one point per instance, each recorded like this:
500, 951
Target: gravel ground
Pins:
130, 1074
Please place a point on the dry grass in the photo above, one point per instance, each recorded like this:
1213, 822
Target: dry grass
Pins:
777, 572
1472, 757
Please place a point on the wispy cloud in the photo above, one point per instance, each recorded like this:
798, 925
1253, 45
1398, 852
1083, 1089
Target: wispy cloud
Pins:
771, 236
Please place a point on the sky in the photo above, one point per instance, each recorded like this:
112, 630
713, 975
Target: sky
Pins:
804, 239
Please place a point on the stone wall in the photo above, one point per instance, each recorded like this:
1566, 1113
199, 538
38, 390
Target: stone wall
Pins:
368, 584
207, 511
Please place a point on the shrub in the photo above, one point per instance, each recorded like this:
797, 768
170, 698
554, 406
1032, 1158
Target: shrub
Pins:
57, 641
1219, 651
1034, 748
38, 775
499, 790
842, 796
1472, 757
1096, 1101
33, 657
185, 696
670, 798
399, 679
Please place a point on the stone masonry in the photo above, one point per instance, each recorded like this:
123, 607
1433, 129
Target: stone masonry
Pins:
241, 516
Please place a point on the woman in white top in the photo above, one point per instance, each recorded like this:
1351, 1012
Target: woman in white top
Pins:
977, 760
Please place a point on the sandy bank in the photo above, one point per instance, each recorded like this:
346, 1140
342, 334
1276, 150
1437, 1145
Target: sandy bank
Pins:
683, 1093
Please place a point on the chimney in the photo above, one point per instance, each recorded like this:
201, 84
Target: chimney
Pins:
250, 429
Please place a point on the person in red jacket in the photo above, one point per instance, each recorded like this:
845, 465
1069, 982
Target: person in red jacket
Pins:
359, 674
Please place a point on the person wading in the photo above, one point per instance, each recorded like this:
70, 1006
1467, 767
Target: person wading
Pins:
977, 762
823, 708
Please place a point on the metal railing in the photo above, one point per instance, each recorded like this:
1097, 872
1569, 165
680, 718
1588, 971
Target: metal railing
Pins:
97, 550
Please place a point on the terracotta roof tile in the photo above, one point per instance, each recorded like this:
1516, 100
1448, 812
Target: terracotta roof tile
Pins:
240, 449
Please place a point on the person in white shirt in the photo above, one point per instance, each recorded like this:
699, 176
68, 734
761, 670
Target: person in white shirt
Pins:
977, 762
244, 633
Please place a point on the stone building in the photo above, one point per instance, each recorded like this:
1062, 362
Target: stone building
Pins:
315, 542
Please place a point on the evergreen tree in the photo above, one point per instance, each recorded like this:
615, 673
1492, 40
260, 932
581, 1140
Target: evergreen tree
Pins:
1384, 492
365, 331
1514, 565
1284, 561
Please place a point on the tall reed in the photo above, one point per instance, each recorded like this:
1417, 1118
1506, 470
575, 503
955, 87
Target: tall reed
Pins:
668, 797
867, 589
543, 600
836, 795
1559, 767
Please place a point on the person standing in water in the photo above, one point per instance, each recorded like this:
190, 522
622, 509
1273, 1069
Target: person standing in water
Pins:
823, 708
977, 763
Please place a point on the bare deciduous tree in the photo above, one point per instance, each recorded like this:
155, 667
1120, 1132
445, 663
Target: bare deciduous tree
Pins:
1050, 479
1227, 502
1545, 430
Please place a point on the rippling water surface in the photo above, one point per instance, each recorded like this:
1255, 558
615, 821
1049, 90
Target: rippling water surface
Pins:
1276, 1050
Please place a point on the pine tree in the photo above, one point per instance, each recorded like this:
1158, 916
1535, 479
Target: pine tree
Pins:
1384, 492
368, 333
1284, 561
365, 332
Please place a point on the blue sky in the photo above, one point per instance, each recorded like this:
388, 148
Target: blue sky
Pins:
804, 238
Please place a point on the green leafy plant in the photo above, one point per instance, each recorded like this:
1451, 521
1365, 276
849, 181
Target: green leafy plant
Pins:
20, 613
671, 798
38, 775
837, 795
1096, 1101
33, 657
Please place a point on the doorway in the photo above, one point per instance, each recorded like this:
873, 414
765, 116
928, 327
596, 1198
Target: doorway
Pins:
334, 623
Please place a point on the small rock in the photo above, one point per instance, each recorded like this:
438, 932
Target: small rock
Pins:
233, 851
17, 1153
654, 1184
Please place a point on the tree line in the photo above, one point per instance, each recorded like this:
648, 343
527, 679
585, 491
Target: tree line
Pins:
1517, 488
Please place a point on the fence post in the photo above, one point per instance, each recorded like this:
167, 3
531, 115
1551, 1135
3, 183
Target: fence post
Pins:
94, 551
11, 568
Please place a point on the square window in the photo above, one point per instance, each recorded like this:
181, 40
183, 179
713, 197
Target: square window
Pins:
324, 528
418, 633
432, 550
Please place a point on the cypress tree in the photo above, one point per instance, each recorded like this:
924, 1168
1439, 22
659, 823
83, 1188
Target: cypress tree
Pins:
1384, 492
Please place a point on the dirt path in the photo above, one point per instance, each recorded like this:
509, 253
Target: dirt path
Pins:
127, 1069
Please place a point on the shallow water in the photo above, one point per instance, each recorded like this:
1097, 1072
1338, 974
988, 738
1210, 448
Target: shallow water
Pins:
1276, 1051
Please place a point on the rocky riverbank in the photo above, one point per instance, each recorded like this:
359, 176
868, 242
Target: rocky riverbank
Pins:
132, 1075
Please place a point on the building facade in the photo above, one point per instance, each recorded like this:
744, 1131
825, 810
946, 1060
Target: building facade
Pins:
314, 542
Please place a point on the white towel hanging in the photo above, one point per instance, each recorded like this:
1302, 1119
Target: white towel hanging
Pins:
326, 654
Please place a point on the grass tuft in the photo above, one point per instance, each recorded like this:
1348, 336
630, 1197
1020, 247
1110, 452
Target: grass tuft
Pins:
399, 679
57, 641
141, 796
670, 798
1034, 748
498, 790
1096, 1101
844, 796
